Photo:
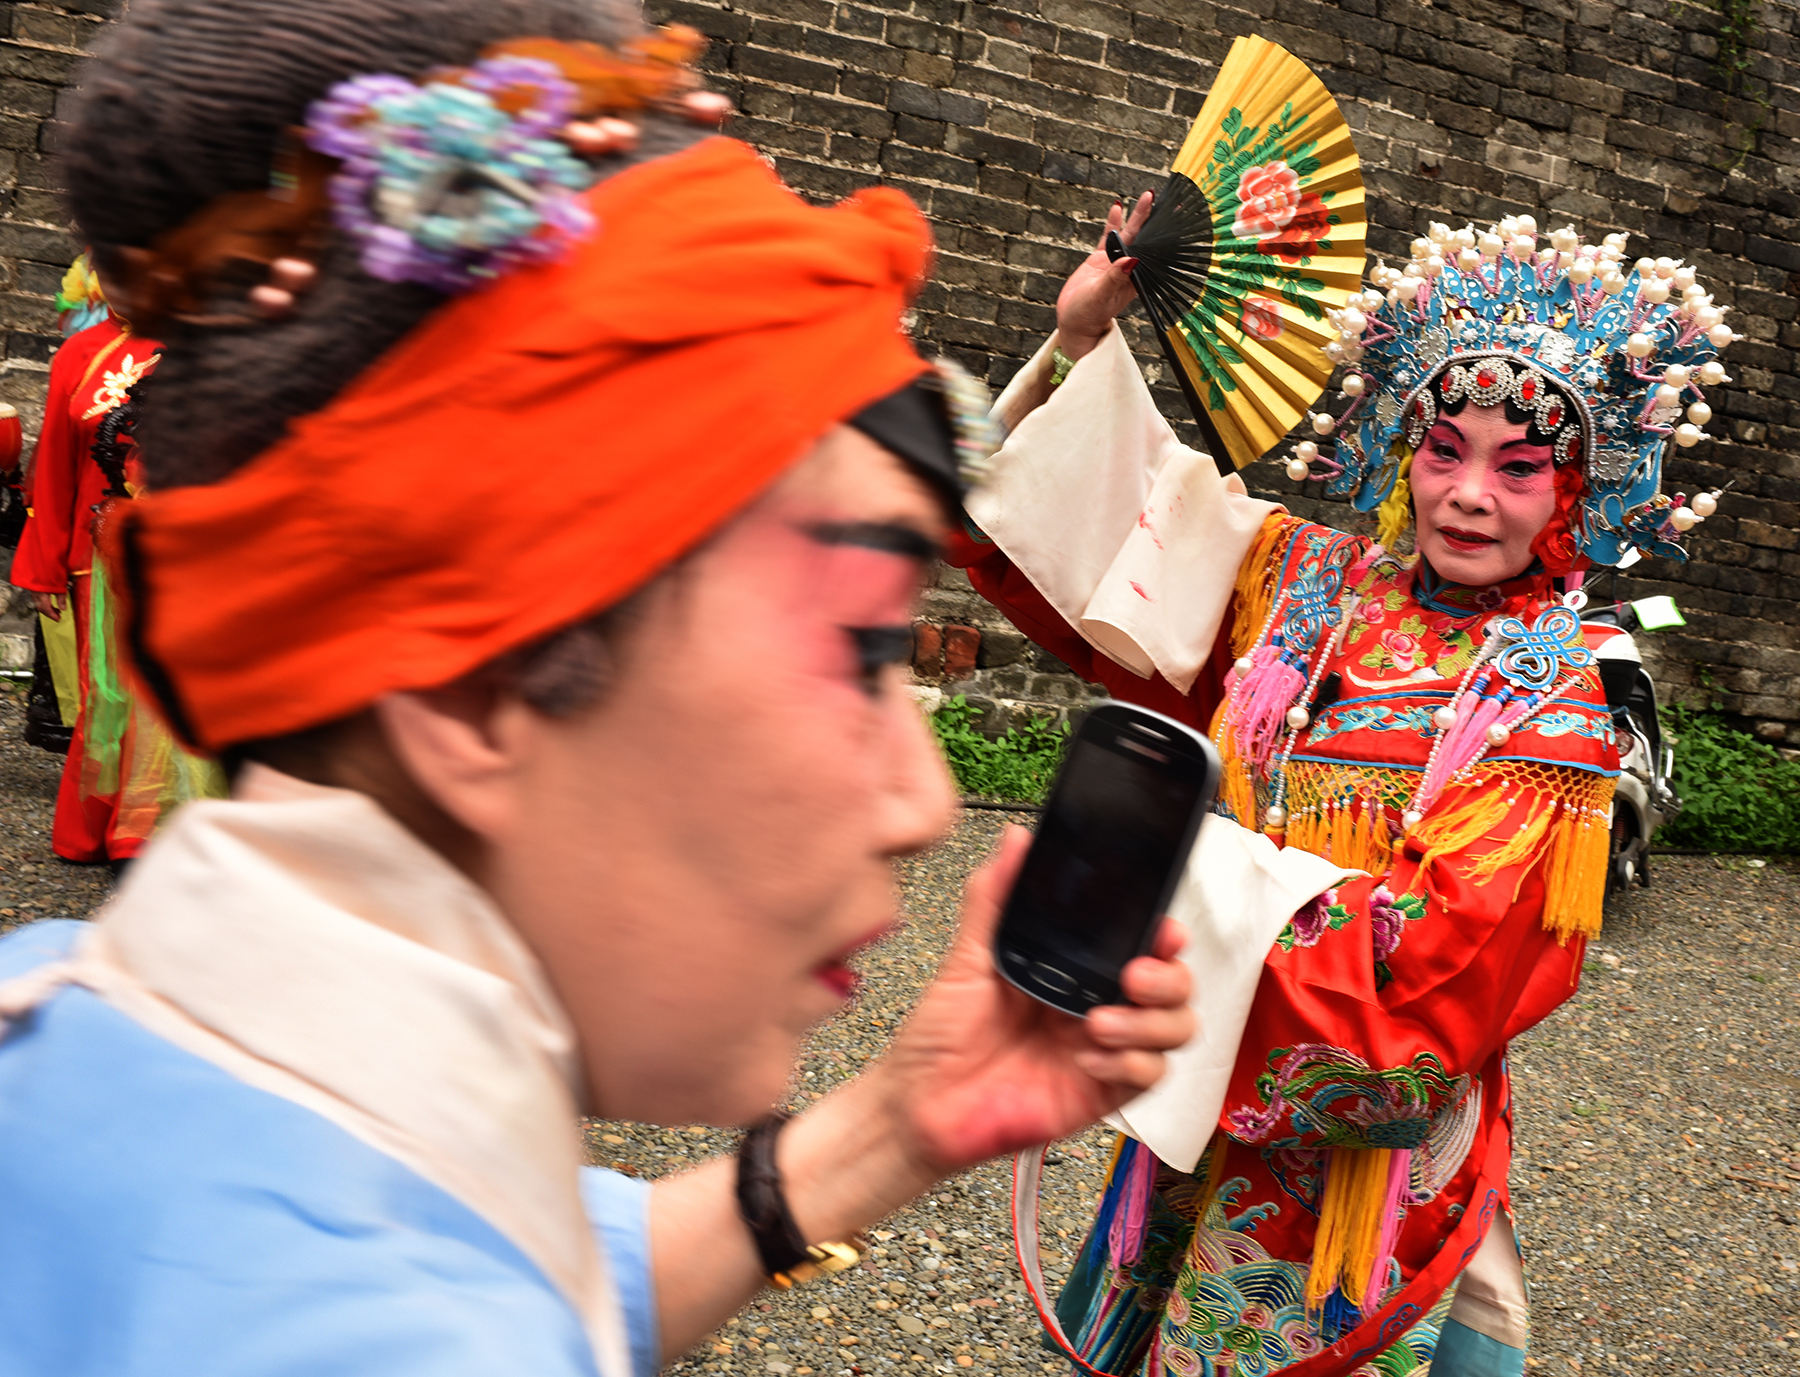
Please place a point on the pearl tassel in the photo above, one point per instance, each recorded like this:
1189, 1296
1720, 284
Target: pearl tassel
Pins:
1413, 816
1298, 719
1497, 735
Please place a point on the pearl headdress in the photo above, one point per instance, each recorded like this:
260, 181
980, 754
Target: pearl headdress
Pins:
1603, 356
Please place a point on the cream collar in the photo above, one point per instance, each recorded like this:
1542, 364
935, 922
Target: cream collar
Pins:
302, 940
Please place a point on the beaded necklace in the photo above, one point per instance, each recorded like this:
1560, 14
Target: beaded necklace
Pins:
1299, 718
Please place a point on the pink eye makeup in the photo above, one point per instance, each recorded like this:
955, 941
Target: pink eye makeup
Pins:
869, 582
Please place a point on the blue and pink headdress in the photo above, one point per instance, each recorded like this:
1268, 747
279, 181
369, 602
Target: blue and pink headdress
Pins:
1607, 359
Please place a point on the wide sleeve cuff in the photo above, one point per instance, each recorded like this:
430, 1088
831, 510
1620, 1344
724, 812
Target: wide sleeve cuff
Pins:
1131, 536
1238, 892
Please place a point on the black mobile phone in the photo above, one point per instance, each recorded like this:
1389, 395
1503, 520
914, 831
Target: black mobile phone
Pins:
1108, 854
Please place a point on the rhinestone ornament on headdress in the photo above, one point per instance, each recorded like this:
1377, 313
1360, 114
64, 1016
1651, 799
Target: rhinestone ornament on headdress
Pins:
1603, 357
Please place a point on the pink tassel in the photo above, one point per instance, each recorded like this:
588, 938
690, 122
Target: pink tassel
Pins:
1399, 1192
1264, 697
1465, 740
1125, 1242
1260, 659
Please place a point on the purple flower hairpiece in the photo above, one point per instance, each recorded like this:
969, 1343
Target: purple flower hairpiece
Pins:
439, 184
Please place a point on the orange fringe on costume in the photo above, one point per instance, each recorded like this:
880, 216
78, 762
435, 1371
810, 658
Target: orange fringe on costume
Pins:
1350, 1221
1558, 822
1258, 580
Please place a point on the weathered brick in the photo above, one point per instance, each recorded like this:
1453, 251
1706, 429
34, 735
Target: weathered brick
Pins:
928, 650
991, 149
37, 244
1077, 76
912, 99
765, 65
927, 165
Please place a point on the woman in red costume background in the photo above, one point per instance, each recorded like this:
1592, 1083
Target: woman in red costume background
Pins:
123, 771
1429, 724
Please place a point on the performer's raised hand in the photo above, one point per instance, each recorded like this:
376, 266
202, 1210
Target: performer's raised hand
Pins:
1100, 288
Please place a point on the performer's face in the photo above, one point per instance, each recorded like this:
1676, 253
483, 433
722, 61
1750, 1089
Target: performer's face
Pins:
1482, 490
695, 858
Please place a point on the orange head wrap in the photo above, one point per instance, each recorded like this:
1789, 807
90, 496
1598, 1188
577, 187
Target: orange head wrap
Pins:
531, 454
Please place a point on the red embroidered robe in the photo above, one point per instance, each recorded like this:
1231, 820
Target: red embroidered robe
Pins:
1375, 1048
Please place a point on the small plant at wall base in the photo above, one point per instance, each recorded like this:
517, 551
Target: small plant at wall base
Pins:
1737, 793
1017, 766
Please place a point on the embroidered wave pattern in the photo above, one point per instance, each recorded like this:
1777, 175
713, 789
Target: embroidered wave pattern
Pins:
1236, 1312
1330, 1097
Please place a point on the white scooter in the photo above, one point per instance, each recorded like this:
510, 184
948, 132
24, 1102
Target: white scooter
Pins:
1645, 798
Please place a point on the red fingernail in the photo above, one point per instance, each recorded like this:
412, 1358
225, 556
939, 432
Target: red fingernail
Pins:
1129, 264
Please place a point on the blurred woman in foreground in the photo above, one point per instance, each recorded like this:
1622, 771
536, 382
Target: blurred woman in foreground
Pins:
504, 413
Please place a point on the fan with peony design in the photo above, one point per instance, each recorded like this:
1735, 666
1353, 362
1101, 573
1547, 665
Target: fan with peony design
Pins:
1257, 234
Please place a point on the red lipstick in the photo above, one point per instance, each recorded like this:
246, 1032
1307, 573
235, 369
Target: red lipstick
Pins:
1466, 540
834, 972
839, 979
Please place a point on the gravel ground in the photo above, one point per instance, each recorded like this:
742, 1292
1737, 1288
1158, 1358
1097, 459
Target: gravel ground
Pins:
34, 882
1656, 1180
1659, 1149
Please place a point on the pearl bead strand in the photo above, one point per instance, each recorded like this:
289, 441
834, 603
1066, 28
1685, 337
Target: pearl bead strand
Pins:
1298, 719
1444, 719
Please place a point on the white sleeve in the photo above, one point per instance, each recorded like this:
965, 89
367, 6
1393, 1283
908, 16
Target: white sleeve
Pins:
1129, 534
1238, 892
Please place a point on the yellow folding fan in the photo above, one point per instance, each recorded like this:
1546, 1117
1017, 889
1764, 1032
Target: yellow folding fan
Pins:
1258, 232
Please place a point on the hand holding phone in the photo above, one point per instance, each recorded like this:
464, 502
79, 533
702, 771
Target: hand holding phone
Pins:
1107, 856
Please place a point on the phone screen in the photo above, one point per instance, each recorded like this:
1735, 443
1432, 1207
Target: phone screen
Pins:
1100, 863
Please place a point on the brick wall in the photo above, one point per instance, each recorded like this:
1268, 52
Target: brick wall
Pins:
39, 51
1013, 123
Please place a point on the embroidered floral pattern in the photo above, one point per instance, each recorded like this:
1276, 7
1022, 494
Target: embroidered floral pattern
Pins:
116, 383
1313, 921
1389, 916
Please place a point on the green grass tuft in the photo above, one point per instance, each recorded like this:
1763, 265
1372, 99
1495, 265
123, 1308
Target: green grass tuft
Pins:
1737, 793
1017, 766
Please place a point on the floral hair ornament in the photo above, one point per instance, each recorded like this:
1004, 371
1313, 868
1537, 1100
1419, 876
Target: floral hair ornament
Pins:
1603, 357
453, 181
446, 181
441, 183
